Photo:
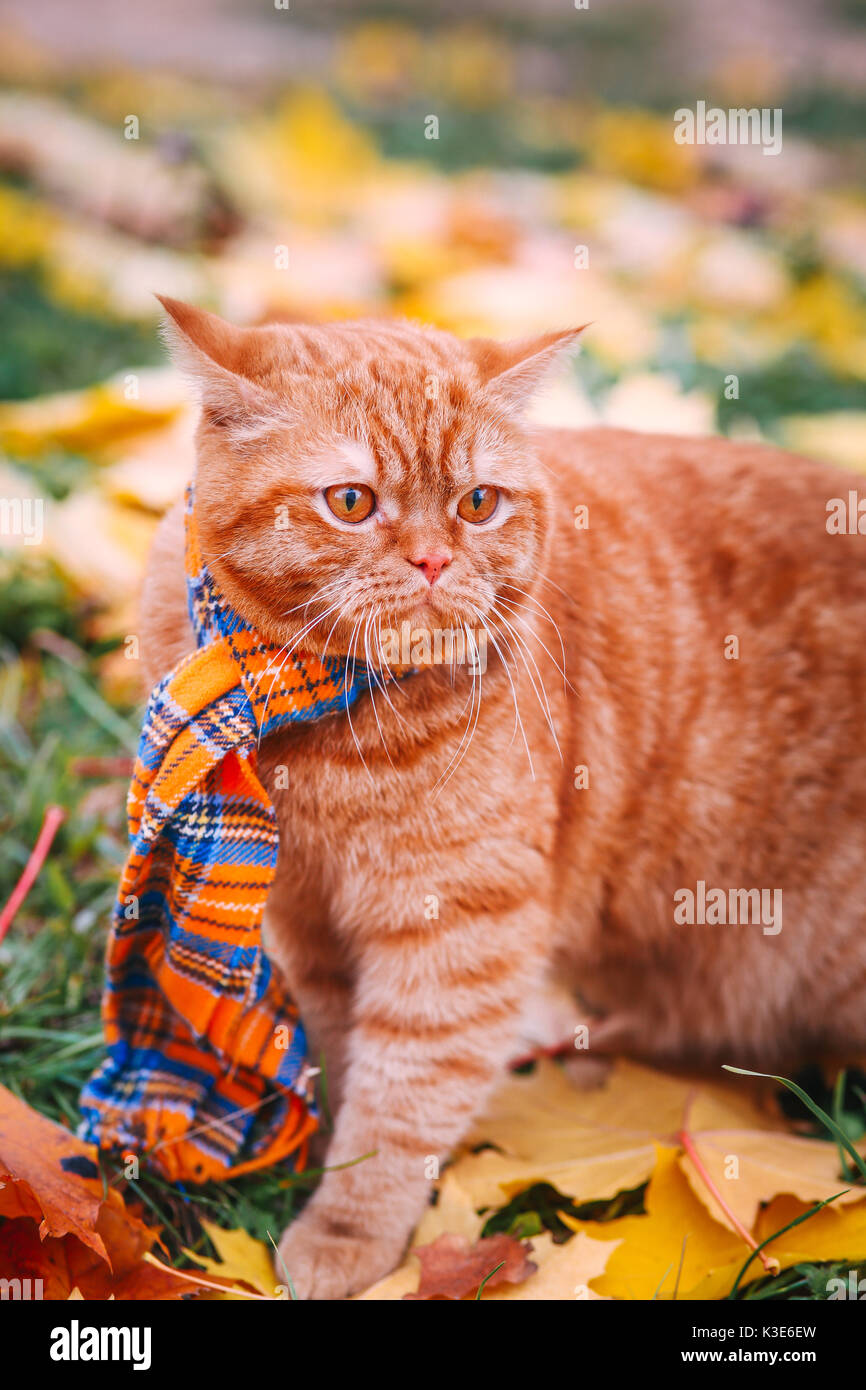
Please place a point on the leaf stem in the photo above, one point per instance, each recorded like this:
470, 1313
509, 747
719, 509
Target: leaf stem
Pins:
770, 1265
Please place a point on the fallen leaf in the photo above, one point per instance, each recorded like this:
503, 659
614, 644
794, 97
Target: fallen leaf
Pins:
81, 421
32, 1150
828, 1235
453, 1268
453, 1214
591, 1144
61, 1226
100, 545
24, 1256
768, 1164
154, 468
394, 1286
678, 1250
242, 1260
564, 1271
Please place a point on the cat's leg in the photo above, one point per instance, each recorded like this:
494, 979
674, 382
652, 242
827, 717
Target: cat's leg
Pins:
319, 980
437, 1014
550, 1019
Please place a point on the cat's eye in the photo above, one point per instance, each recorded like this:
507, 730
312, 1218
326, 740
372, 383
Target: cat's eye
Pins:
351, 501
479, 504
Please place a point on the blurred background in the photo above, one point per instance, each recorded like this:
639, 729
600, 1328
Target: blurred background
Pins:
498, 174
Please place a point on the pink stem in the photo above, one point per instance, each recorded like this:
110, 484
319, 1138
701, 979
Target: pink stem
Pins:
53, 818
770, 1265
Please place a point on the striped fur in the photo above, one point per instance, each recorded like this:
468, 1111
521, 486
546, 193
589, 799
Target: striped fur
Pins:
424, 906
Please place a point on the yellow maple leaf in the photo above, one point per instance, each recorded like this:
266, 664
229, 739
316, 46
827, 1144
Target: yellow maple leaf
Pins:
678, 1250
750, 1167
242, 1259
672, 1247
592, 1144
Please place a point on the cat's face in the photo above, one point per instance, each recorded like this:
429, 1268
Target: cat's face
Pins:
358, 476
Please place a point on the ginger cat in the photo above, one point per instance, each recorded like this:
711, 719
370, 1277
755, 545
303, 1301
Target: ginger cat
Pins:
470, 835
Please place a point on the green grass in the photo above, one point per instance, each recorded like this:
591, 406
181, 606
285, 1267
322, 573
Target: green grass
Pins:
47, 347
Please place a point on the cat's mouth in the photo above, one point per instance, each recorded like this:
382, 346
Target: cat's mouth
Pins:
431, 605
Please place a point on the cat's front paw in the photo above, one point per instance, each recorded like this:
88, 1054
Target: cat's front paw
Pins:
325, 1260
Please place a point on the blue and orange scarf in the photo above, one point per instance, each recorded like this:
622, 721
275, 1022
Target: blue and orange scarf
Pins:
206, 1065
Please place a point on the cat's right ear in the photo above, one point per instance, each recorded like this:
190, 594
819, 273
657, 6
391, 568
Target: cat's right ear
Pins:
216, 357
513, 371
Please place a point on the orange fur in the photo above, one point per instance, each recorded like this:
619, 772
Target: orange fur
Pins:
423, 902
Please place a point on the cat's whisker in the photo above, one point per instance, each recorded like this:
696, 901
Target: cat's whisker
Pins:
276, 656
313, 623
443, 777
340, 615
381, 664
532, 598
525, 651
476, 668
232, 550
333, 585
397, 685
299, 636
518, 721
347, 683
513, 610
375, 680
565, 594
471, 723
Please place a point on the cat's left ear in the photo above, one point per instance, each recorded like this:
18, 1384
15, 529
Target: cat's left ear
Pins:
222, 362
513, 371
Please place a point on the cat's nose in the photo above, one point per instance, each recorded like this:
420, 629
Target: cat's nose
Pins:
431, 566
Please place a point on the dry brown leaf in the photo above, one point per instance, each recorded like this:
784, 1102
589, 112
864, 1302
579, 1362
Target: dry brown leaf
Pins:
61, 1226
564, 1271
454, 1214
45, 1263
64, 1264
33, 1152
453, 1268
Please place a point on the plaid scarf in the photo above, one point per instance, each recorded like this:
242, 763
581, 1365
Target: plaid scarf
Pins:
206, 1054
